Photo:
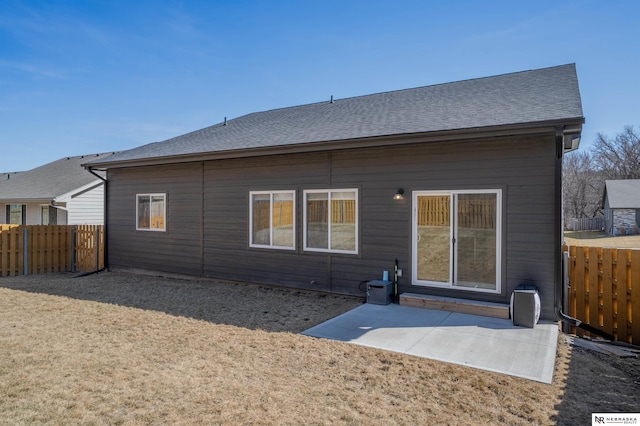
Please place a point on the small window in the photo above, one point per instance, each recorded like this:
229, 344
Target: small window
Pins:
272, 219
150, 212
331, 220
48, 215
16, 214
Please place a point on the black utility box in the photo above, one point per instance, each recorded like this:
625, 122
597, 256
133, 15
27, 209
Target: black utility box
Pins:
379, 292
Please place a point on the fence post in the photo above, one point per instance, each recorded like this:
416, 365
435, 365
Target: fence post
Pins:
97, 243
565, 287
25, 236
73, 249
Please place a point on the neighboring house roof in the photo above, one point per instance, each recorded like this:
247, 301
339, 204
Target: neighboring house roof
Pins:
549, 96
51, 181
5, 176
623, 194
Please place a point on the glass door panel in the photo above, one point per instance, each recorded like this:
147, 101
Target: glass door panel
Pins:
433, 238
476, 240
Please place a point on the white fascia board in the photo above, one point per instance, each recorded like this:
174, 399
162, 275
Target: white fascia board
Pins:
67, 196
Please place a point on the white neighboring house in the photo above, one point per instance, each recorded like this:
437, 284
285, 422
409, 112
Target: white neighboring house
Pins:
58, 193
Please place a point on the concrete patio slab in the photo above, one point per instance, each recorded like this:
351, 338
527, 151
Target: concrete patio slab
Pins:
486, 343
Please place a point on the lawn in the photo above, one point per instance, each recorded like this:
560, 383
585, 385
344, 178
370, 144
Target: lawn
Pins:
475, 251
116, 348
600, 239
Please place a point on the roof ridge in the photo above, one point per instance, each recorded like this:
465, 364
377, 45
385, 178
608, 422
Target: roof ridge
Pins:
97, 154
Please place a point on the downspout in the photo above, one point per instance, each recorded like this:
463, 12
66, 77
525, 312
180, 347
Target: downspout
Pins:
558, 258
106, 240
57, 206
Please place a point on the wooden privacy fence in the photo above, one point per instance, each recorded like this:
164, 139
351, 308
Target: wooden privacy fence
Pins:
586, 224
37, 249
604, 290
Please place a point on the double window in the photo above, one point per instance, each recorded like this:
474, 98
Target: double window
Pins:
330, 220
273, 219
151, 212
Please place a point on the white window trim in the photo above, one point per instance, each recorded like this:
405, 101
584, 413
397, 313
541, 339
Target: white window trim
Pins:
23, 213
41, 216
271, 194
357, 218
164, 211
454, 228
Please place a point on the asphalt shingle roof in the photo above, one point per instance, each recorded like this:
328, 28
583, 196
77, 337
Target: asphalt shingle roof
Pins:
50, 180
623, 194
524, 97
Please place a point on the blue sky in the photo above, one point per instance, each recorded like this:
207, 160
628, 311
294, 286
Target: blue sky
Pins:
82, 77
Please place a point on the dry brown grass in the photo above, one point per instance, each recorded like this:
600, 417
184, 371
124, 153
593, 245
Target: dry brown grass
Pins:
600, 239
117, 348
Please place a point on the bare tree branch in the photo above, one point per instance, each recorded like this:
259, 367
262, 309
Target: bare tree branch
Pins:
618, 158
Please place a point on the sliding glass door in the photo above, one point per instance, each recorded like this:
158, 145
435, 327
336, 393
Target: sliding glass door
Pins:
456, 239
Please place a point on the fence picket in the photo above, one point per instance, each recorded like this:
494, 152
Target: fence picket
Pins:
37, 247
19, 238
579, 286
14, 250
4, 249
622, 300
48, 255
607, 291
593, 292
634, 277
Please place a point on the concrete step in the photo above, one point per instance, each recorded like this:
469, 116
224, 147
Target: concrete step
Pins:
451, 304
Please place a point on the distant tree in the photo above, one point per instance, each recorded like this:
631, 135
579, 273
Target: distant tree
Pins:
582, 186
584, 173
618, 158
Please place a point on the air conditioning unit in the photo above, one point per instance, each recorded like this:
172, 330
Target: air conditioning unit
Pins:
525, 306
379, 292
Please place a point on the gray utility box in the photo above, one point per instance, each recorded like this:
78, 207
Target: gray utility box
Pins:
525, 306
379, 292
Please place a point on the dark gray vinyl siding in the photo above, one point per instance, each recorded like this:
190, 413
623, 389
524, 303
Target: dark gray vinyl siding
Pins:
179, 248
208, 213
226, 209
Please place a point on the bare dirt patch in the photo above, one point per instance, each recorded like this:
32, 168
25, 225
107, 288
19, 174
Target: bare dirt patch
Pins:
118, 348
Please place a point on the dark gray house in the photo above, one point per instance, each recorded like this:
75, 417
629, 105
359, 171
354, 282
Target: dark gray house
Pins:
621, 204
459, 182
